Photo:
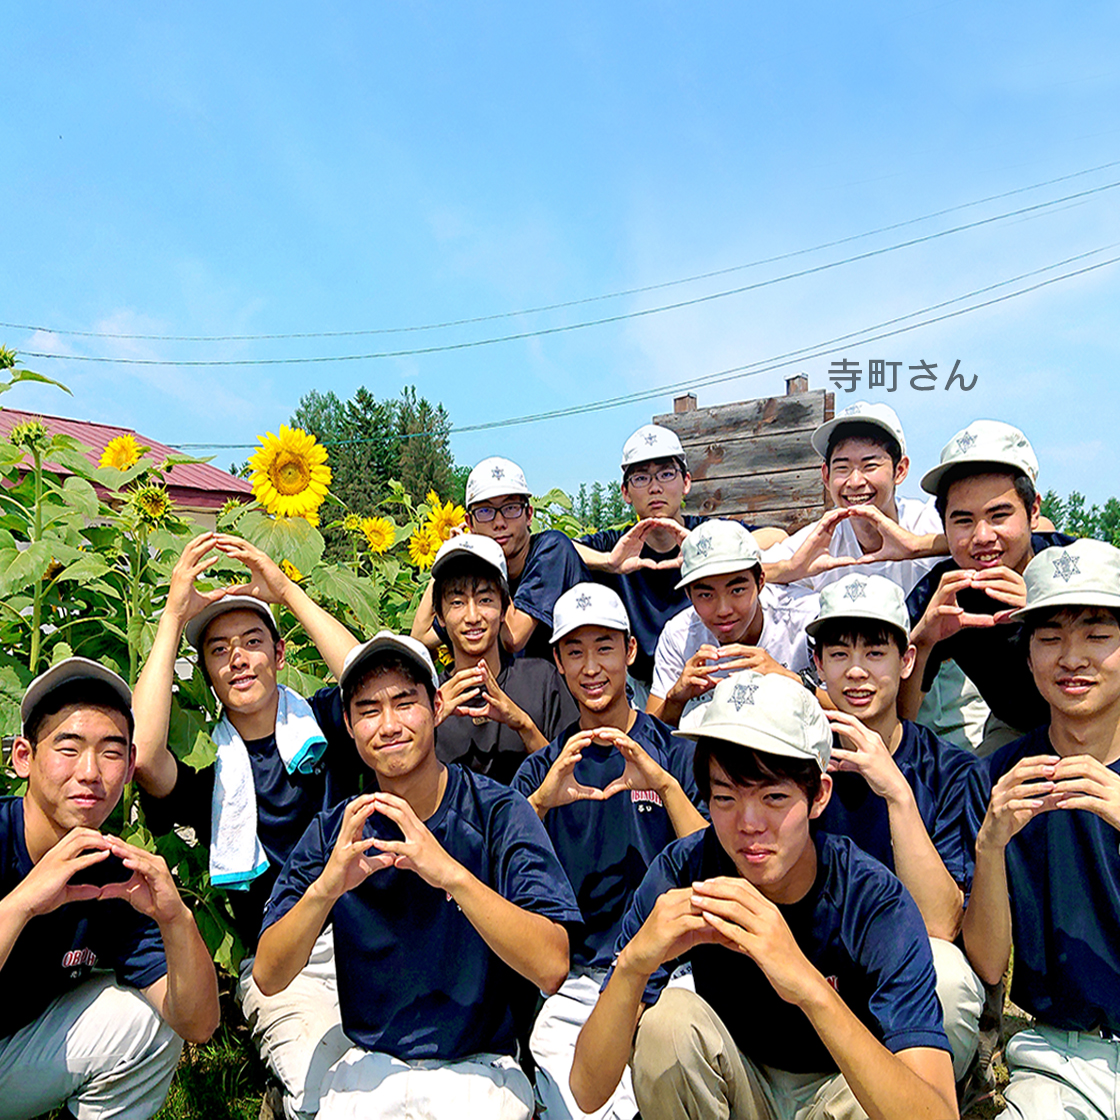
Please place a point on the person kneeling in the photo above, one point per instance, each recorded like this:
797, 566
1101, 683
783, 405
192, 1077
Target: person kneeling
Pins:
443, 891
77, 902
814, 979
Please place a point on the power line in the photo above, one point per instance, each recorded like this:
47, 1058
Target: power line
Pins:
568, 303
544, 331
753, 369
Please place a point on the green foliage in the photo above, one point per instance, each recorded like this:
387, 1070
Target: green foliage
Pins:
602, 507
1070, 515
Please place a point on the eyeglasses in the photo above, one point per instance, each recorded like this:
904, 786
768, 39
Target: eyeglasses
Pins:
511, 511
639, 480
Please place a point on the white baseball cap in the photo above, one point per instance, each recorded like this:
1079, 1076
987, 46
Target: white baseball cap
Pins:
649, 442
588, 604
385, 641
862, 412
858, 596
765, 711
493, 478
985, 441
72, 669
196, 628
717, 548
485, 549
1083, 574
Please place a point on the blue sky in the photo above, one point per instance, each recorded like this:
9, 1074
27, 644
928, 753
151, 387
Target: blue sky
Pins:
259, 169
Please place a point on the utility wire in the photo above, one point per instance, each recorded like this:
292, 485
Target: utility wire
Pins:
574, 326
751, 369
568, 303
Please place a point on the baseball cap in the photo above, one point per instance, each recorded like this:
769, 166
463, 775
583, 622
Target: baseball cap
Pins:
985, 441
385, 641
765, 711
588, 604
494, 477
862, 412
72, 669
857, 596
649, 442
485, 549
717, 548
196, 628
1083, 574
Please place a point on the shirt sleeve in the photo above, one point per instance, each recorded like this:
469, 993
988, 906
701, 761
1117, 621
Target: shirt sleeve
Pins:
532, 771
668, 658
947, 830
188, 804
552, 567
304, 865
140, 959
602, 541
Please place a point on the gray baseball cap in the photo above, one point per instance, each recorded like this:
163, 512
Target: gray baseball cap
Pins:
765, 711
717, 548
72, 669
861, 412
1083, 574
588, 604
485, 549
493, 478
649, 442
385, 641
196, 629
863, 597
985, 442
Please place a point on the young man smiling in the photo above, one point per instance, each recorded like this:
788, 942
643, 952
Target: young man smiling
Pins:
540, 566
898, 790
281, 759
75, 900
736, 621
496, 708
814, 982
443, 892
986, 496
1045, 816
612, 789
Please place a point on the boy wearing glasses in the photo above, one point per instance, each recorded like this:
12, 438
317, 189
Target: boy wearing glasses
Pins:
542, 566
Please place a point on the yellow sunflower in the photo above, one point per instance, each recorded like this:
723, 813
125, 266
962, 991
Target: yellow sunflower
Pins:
442, 518
423, 546
352, 523
291, 571
290, 474
122, 453
152, 502
380, 533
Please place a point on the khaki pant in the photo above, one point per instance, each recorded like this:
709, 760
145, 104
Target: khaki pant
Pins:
961, 993
686, 1066
100, 1049
298, 1031
1062, 1074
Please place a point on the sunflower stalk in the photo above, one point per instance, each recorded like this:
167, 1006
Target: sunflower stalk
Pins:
36, 533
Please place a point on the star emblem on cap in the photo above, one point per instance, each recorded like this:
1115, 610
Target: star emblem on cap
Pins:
703, 546
584, 601
497, 472
650, 438
857, 589
1066, 566
966, 441
743, 693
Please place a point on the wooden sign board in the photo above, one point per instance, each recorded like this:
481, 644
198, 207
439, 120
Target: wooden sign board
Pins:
753, 459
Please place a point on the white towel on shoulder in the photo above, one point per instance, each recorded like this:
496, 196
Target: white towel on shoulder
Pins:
236, 854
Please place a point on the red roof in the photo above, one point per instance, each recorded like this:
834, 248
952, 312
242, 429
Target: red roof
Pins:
195, 486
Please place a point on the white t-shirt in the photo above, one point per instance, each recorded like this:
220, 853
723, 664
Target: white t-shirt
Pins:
914, 514
786, 611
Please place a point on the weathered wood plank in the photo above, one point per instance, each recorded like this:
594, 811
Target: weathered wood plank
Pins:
799, 412
723, 457
775, 491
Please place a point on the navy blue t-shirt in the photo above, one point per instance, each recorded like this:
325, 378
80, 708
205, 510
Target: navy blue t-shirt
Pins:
938, 773
58, 951
415, 978
551, 567
1063, 875
606, 846
286, 803
986, 655
857, 925
493, 748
